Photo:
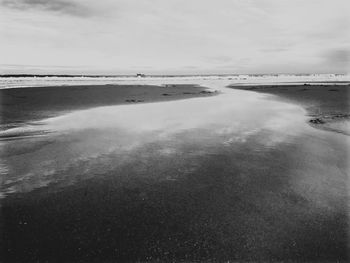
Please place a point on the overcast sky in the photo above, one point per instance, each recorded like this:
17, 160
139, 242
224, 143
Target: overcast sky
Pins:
174, 36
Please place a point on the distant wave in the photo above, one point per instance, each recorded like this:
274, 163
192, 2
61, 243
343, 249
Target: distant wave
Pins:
22, 81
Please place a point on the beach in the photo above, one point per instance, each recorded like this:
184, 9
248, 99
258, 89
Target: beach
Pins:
20, 105
328, 105
202, 172
174, 131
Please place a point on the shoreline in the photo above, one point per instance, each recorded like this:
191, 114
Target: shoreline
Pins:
327, 105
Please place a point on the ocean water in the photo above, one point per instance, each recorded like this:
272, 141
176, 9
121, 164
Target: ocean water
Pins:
15, 82
240, 175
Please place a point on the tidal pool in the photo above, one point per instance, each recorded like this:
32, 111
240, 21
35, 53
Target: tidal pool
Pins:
237, 176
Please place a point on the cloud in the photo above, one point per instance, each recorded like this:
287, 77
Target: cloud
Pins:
219, 59
338, 59
273, 50
177, 36
58, 6
339, 56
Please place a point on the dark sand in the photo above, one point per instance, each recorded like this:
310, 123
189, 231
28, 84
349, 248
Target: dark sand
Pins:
233, 204
243, 210
325, 104
21, 105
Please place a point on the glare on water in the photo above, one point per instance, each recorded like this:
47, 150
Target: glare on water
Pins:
226, 119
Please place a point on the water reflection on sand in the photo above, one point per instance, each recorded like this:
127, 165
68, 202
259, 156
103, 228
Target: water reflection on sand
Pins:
88, 137
239, 175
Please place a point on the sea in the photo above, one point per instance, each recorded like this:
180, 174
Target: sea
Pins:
13, 81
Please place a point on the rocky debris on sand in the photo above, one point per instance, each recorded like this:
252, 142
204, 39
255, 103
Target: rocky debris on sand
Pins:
133, 101
329, 118
205, 92
316, 121
341, 116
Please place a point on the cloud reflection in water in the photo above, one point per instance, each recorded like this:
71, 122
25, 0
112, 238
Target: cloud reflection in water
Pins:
92, 142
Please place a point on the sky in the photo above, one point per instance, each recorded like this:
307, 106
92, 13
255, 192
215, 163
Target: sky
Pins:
174, 36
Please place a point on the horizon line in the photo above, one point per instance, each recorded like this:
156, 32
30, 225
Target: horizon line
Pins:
161, 75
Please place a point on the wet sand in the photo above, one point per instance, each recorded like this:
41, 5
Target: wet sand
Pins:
327, 104
202, 194
21, 105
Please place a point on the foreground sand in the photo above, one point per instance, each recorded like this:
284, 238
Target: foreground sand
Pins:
327, 105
